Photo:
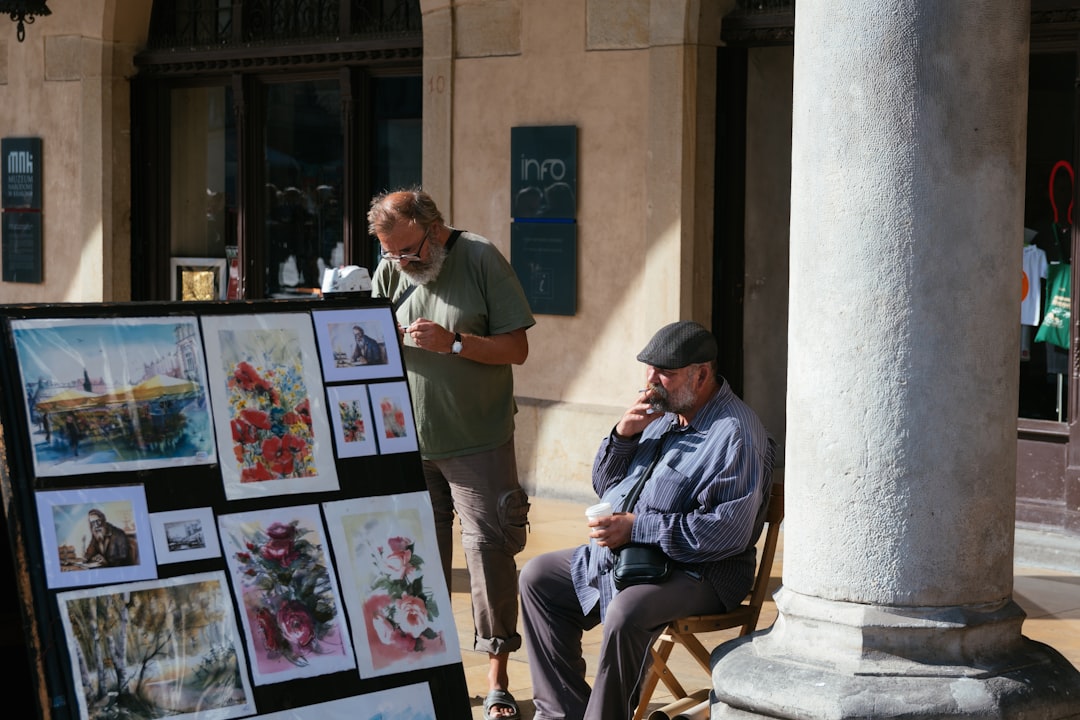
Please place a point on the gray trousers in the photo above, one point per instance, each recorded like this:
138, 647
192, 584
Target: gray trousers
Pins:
554, 625
483, 490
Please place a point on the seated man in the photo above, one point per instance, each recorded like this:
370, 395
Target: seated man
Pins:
708, 458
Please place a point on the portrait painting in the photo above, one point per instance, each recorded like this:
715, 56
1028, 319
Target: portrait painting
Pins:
156, 649
267, 396
114, 394
95, 535
350, 413
393, 584
290, 606
183, 535
358, 344
409, 702
396, 431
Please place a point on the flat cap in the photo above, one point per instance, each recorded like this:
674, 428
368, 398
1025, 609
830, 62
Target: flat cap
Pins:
678, 345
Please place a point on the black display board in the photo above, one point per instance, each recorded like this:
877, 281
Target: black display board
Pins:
217, 509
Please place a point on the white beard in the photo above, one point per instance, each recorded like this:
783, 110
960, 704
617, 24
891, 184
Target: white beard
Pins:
421, 273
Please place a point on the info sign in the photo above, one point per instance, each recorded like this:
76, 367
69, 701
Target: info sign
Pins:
543, 233
21, 165
21, 173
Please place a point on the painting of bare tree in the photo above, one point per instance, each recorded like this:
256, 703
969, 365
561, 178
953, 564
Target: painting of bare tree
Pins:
156, 649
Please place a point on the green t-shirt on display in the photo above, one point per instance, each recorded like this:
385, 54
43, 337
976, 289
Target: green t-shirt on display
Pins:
461, 406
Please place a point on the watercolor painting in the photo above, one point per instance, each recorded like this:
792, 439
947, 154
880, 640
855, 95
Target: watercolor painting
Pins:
358, 344
395, 592
114, 394
394, 424
410, 702
267, 396
183, 535
95, 535
156, 649
289, 598
350, 413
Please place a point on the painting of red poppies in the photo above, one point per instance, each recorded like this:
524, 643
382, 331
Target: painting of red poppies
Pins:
395, 593
156, 649
289, 599
267, 394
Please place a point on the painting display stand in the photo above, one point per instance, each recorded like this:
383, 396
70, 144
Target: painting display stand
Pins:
217, 510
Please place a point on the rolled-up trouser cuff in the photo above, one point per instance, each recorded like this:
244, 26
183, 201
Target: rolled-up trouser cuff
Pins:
497, 646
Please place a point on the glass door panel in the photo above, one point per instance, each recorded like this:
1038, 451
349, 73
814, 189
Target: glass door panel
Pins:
304, 165
202, 191
1044, 356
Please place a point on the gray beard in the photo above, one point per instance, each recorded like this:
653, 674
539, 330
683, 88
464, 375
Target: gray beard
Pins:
422, 273
678, 403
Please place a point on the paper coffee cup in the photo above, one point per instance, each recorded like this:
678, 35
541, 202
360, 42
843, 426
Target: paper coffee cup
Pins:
598, 510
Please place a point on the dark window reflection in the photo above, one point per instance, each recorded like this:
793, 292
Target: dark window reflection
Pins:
304, 170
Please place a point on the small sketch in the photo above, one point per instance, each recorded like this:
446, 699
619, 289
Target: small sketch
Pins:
185, 535
182, 535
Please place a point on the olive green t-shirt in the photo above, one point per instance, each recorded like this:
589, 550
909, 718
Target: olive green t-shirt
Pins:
461, 407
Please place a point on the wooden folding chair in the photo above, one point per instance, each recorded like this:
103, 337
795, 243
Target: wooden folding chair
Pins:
745, 617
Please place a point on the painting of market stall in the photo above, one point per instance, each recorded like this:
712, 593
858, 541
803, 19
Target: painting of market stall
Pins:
114, 394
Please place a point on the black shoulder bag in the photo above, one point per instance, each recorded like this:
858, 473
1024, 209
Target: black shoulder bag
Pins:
640, 563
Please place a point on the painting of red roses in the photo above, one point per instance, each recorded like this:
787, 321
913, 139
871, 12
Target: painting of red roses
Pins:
266, 391
285, 585
395, 592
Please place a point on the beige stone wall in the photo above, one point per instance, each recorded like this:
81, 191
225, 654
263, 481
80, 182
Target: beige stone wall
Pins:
633, 79
67, 84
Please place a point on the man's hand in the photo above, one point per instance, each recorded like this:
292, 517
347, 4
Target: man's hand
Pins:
638, 416
429, 335
612, 531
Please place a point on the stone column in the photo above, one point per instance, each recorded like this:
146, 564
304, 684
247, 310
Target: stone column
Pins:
906, 236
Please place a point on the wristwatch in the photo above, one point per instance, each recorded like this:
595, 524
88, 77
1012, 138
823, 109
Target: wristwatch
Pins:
456, 347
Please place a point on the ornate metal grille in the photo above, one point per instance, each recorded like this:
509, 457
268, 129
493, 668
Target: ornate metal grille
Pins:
224, 23
764, 7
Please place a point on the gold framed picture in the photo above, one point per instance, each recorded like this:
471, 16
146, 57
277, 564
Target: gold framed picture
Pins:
197, 278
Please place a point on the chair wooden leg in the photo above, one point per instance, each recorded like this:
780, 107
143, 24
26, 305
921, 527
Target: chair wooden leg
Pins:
697, 650
658, 672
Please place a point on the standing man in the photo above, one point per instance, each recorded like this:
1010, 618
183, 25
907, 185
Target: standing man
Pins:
707, 463
463, 315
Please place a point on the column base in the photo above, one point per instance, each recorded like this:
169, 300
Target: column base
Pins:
833, 660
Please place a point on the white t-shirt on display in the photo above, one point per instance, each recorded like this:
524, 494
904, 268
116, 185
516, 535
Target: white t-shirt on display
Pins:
1034, 271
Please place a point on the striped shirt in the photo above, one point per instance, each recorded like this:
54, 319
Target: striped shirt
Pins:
703, 504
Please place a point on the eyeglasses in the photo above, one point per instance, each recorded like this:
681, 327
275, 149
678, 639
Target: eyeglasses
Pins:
409, 256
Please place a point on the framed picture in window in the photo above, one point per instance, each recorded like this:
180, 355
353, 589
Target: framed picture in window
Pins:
197, 278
